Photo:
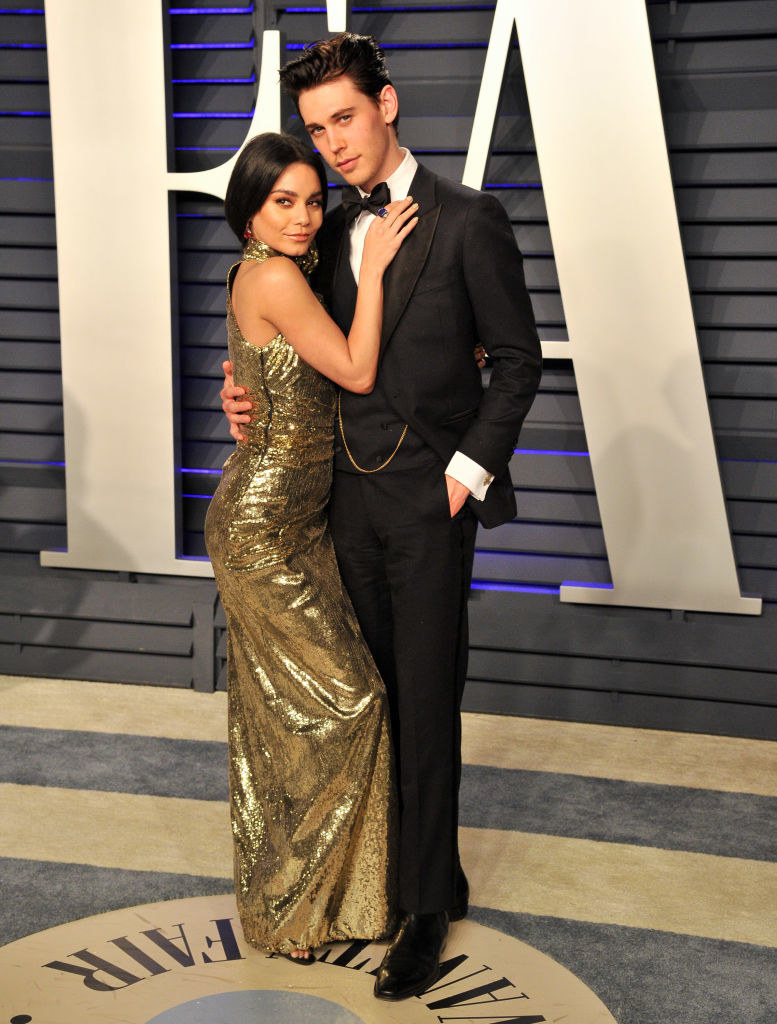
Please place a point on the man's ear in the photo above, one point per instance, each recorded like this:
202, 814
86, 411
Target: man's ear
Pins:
388, 101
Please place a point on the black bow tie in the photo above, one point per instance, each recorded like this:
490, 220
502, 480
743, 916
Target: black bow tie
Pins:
353, 203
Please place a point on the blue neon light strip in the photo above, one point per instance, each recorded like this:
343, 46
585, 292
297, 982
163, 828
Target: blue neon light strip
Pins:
409, 46
24, 113
26, 179
212, 10
22, 46
205, 117
546, 451
511, 185
393, 10
212, 46
205, 149
21, 10
513, 588
205, 472
28, 462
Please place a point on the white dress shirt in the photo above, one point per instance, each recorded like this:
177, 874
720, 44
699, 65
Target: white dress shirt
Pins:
461, 467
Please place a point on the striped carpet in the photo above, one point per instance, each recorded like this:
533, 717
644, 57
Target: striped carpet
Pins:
644, 861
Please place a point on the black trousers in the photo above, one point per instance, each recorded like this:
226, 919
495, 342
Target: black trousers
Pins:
407, 567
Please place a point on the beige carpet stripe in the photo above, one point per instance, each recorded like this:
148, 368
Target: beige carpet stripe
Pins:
601, 751
112, 707
631, 755
606, 883
614, 883
115, 830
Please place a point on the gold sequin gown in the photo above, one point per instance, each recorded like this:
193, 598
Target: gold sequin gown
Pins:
311, 787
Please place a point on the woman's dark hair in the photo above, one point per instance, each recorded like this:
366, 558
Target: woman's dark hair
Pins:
258, 167
359, 57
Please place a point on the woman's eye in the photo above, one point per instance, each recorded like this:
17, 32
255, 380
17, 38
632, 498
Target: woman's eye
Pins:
314, 202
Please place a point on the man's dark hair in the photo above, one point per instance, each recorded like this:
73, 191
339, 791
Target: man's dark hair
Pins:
258, 167
358, 57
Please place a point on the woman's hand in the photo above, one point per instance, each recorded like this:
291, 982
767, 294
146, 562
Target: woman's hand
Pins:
387, 233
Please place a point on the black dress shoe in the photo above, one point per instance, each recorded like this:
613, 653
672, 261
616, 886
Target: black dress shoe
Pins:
459, 909
412, 961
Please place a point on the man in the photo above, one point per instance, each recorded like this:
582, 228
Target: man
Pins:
420, 460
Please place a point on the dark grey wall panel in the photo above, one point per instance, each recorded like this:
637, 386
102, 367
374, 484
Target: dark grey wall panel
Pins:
717, 72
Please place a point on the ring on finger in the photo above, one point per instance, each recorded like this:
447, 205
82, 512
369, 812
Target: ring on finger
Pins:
383, 212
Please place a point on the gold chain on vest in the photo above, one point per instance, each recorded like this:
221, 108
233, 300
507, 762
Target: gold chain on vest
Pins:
354, 463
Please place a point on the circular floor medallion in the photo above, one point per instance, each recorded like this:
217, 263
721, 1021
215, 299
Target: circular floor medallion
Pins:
186, 962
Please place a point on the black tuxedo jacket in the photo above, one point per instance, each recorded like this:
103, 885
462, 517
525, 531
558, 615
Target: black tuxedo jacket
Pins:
457, 280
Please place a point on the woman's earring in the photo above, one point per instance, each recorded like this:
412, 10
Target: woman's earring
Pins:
247, 232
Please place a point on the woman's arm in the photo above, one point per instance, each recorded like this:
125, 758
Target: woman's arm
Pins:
273, 297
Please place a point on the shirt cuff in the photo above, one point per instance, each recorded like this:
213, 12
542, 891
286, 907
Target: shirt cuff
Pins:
468, 472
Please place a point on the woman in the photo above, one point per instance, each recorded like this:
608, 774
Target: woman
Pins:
309, 748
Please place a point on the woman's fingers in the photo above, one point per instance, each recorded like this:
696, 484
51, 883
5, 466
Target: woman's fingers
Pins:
398, 211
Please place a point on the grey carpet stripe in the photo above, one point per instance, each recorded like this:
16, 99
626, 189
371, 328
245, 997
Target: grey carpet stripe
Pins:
607, 810
39, 894
114, 762
612, 811
653, 977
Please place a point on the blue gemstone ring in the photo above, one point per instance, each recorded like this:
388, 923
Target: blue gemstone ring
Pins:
383, 212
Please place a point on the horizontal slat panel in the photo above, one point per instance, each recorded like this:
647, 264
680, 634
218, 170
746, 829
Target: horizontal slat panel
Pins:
23, 230
24, 96
211, 28
104, 602
31, 447
32, 504
29, 355
23, 28
104, 666
716, 18
98, 636
27, 64
642, 635
25, 387
27, 196
32, 537
28, 263
21, 294
35, 419
539, 570
624, 677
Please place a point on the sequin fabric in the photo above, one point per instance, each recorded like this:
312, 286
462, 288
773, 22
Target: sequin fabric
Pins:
311, 786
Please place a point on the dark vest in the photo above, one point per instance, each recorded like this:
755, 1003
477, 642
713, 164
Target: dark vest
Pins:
370, 424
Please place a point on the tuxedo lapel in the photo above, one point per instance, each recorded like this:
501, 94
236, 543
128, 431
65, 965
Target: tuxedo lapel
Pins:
333, 237
404, 270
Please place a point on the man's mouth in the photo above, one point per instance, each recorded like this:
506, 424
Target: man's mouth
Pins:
346, 165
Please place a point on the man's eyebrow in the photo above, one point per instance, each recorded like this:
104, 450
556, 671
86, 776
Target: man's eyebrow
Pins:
332, 117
